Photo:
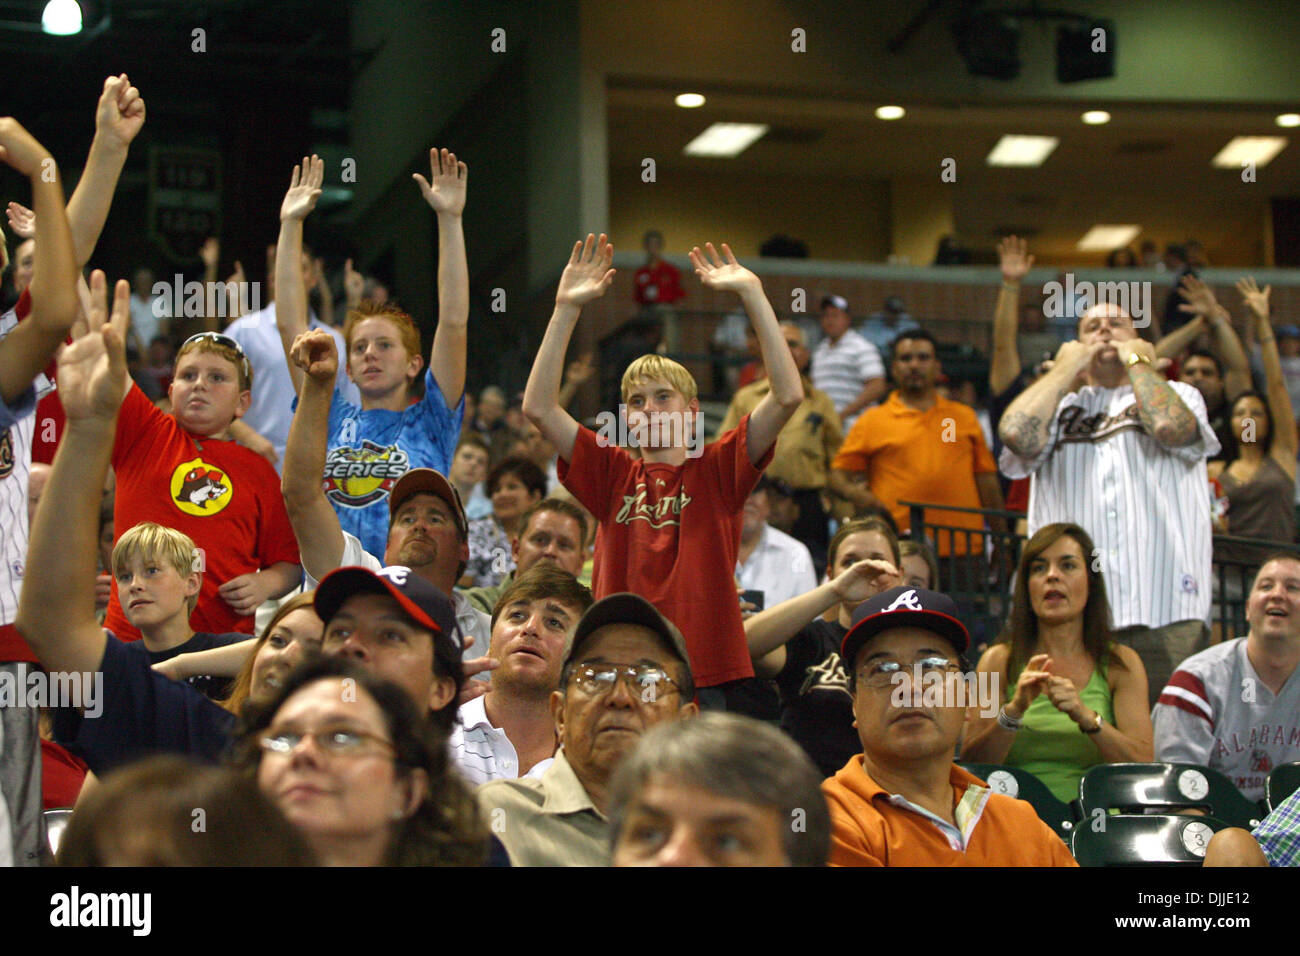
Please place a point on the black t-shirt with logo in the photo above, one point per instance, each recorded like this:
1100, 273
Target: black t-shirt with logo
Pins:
816, 707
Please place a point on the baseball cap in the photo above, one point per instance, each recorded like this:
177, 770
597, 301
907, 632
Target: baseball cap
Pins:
427, 481
836, 300
904, 607
627, 608
423, 603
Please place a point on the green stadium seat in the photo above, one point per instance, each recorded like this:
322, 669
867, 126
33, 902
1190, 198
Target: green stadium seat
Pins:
1164, 787
1283, 780
1144, 840
1023, 785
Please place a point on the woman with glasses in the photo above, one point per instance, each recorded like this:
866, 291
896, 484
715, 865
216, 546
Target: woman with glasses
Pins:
359, 772
1072, 697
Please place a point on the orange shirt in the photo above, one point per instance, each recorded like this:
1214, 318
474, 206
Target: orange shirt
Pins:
930, 456
867, 829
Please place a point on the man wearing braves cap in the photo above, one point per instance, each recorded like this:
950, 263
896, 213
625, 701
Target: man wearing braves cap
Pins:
903, 802
625, 670
427, 530
398, 626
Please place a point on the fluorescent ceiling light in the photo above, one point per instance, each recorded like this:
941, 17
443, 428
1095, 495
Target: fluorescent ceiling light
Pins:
890, 112
1258, 150
1288, 119
1103, 238
1022, 150
61, 18
1096, 117
725, 139
689, 101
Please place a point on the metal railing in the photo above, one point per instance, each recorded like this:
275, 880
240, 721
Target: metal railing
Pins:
980, 581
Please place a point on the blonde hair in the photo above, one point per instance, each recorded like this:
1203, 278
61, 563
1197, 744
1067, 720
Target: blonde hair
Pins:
152, 542
404, 324
243, 369
663, 369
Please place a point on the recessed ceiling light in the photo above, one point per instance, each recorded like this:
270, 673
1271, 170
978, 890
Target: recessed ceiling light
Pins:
689, 101
61, 18
890, 112
1105, 238
1258, 150
725, 139
1022, 150
1096, 117
1288, 119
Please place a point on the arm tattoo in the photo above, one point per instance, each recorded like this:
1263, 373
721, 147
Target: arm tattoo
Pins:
1163, 415
1023, 434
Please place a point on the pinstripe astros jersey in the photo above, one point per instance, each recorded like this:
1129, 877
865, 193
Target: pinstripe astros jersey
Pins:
1216, 711
1144, 505
17, 426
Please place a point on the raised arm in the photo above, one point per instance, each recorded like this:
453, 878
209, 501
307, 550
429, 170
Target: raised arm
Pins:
1279, 399
56, 612
290, 292
724, 273
585, 278
1180, 339
225, 661
118, 119
29, 347
315, 525
1025, 424
1163, 414
768, 631
1004, 367
444, 191
1202, 302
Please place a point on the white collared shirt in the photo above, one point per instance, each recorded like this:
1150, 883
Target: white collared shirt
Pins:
482, 752
779, 566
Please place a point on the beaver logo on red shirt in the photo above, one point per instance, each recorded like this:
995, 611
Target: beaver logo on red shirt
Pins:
199, 489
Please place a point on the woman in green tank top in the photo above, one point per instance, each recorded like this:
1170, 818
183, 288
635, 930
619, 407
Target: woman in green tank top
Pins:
1072, 698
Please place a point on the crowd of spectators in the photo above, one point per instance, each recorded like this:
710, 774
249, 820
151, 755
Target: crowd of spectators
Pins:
370, 619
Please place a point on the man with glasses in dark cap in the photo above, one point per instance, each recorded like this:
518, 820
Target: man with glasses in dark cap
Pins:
625, 670
902, 801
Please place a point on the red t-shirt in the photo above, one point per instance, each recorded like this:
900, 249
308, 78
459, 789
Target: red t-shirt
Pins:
658, 284
62, 776
671, 534
222, 495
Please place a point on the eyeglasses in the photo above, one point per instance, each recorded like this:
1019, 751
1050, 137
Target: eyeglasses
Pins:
336, 742
646, 680
881, 673
226, 341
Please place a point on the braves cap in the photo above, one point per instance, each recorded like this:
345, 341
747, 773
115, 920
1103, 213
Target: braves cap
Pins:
627, 608
836, 300
427, 481
423, 603
904, 607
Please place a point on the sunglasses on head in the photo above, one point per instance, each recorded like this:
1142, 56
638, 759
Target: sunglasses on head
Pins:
224, 340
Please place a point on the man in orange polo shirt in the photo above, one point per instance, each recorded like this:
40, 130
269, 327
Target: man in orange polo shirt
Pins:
919, 446
902, 801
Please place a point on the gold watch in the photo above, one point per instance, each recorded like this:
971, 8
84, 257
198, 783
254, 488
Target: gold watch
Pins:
1135, 358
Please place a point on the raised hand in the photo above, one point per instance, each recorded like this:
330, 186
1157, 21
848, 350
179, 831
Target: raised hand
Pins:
210, 253
722, 272
444, 190
304, 189
92, 370
1014, 259
20, 149
21, 220
120, 114
354, 283
1256, 299
580, 370
1200, 297
316, 353
588, 273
